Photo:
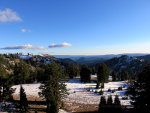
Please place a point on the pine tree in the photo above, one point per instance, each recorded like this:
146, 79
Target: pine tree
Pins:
102, 105
85, 74
102, 75
5, 85
117, 101
109, 100
102, 85
114, 76
101, 92
117, 105
98, 84
124, 75
48, 91
102, 101
73, 70
21, 72
35, 111
53, 90
23, 101
93, 70
52, 106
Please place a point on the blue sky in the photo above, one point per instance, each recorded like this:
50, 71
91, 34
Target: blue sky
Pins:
75, 27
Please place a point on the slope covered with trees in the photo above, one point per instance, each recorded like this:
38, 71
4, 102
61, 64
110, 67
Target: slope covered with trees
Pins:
140, 91
14, 70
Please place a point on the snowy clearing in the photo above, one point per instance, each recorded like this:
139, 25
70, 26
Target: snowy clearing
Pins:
78, 92
83, 93
30, 89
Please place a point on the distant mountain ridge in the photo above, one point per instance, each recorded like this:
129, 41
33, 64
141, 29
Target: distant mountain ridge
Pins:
82, 59
145, 57
132, 65
94, 59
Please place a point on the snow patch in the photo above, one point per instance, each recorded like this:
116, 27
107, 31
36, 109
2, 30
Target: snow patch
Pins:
83, 93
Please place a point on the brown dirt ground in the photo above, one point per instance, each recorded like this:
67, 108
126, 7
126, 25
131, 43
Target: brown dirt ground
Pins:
76, 107
71, 107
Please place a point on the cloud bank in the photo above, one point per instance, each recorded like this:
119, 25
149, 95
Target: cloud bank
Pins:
24, 47
37, 47
25, 30
53, 45
7, 15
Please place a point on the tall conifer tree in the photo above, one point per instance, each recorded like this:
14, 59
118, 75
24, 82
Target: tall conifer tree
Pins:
23, 101
85, 74
53, 90
102, 75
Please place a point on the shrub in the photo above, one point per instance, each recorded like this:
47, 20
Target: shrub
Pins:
119, 88
101, 92
62, 105
124, 86
95, 91
125, 98
109, 90
113, 91
116, 100
87, 89
102, 85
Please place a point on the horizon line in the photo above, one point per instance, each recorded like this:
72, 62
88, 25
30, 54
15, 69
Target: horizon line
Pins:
77, 54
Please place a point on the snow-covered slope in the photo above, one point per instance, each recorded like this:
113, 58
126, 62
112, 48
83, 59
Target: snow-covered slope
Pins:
78, 91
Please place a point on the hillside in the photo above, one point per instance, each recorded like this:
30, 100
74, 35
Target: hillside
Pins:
146, 58
37, 60
132, 65
91, 60
7, 62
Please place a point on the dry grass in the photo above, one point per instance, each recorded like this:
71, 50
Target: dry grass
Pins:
30, 98
71, 107
76, 107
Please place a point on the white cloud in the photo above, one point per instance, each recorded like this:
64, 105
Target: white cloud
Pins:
53, 45
25, 30
24, 47
7, 15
